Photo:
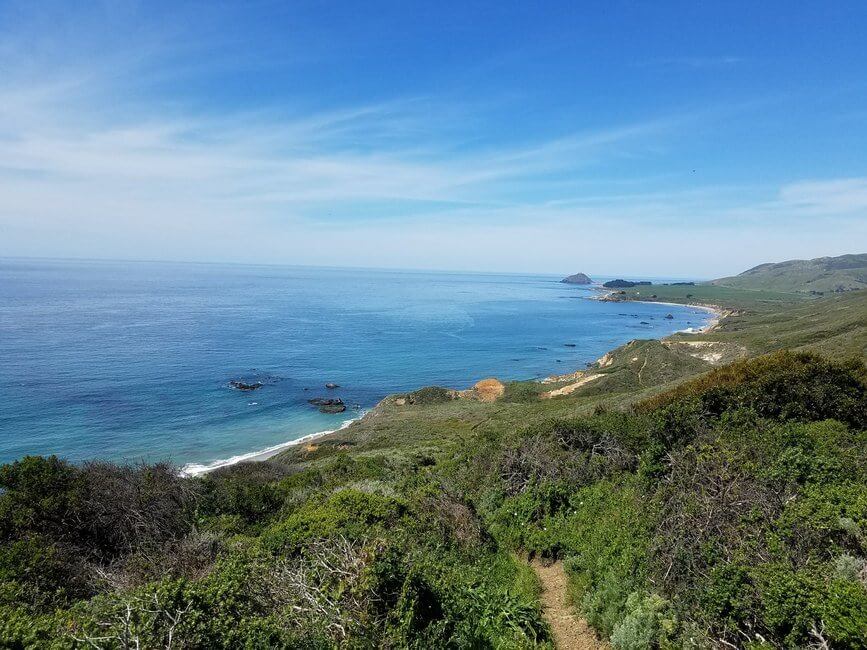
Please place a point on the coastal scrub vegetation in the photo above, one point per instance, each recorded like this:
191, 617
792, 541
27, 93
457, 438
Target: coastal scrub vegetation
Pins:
730, 511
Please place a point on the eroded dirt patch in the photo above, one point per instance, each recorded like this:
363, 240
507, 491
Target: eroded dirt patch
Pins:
488, 390
570, 631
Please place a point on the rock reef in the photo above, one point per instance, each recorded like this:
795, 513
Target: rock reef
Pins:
328, 404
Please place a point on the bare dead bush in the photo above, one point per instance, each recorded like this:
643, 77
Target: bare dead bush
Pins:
710, 496
565, 453
537, 458
191, 557
458, 518
121, 627
325, 587
134, 507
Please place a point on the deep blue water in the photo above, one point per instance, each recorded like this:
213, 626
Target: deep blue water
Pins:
129, 361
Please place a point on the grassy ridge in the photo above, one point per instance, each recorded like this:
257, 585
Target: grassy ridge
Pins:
713, 295
821, 275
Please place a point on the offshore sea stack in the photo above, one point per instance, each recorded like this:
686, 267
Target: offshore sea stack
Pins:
578, 278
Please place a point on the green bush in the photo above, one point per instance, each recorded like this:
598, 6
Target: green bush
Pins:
522, 391
430, 395
348, 512
783, 385
842, 610
648, 623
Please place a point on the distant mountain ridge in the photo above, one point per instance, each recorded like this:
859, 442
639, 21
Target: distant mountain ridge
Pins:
820, 275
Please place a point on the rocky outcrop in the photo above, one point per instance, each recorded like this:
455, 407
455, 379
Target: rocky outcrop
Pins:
328, 404
242, 385
578, 278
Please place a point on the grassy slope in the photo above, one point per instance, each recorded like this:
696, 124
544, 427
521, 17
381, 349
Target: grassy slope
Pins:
836, 326
713, 295
833, 326
824, 274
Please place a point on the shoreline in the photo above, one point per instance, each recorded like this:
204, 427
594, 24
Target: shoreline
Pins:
718, 313
199, 469
607, 295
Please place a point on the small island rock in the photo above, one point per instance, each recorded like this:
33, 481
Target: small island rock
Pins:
578, 278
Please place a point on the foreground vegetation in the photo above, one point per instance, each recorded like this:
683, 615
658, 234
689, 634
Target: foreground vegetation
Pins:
691, 508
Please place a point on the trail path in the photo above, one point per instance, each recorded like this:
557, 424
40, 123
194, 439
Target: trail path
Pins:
570, 631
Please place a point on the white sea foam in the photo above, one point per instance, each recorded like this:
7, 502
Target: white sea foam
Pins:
197, 469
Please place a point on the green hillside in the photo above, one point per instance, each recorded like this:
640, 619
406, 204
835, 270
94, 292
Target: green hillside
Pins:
823, 275
702, 491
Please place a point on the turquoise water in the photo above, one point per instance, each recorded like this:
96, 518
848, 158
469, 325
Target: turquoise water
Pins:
129, 361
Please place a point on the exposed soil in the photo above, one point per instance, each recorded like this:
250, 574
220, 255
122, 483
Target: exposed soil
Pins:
571, 388
570, 631
488, 390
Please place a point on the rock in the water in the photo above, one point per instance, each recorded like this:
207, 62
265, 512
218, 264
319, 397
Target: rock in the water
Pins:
320, 401
669, 317
578, 278
241, 385
328, 404
332, 385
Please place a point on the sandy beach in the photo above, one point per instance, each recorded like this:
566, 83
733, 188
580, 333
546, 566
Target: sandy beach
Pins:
197, 469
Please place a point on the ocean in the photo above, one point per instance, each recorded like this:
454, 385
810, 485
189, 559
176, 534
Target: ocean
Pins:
131, 361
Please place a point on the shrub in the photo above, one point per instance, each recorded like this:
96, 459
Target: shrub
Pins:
649, 621
783, 385
348, 512
522, 391
842, 612
40, 495
430, 395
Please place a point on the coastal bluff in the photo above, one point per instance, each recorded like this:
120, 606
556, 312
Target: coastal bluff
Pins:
578, 278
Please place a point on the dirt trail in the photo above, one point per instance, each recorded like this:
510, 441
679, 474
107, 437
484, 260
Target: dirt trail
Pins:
570, 631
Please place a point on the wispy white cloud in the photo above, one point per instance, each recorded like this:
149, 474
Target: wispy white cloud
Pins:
834, 196
95, 162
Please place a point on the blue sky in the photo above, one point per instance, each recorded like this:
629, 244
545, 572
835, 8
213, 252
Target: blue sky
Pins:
671, 138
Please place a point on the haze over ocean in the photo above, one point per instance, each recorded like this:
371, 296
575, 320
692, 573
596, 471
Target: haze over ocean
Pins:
129, 361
